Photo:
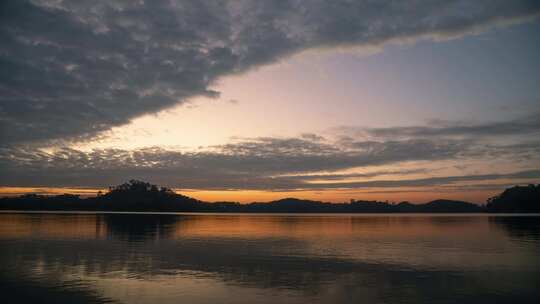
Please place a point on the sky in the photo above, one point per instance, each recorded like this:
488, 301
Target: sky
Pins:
258, 100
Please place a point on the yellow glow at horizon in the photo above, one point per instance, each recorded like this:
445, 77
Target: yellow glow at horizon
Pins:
413, 194
417, 195
14, 191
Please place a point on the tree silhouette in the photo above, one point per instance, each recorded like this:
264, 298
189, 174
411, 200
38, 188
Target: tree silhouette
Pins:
138, 196
516, 199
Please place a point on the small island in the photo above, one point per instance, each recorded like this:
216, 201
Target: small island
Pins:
139, 196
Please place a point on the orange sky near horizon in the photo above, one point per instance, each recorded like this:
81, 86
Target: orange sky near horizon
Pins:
401, 122
415, 195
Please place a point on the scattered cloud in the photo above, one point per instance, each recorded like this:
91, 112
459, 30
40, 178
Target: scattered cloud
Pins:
267, 163
526, 125
253, 161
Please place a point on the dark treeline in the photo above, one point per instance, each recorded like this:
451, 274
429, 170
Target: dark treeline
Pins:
137, 196
516, 199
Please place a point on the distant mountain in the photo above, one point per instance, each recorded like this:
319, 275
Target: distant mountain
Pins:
290, 205
442, 205
138, 196
438, 206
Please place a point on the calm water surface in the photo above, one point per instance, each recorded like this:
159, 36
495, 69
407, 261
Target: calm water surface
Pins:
216, 258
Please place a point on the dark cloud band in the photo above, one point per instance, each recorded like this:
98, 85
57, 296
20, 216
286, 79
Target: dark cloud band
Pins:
71, 69
264, 164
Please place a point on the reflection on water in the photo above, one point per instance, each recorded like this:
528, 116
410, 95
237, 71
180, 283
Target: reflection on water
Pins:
211, 258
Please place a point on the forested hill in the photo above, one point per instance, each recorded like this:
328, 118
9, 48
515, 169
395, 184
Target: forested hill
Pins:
137, 196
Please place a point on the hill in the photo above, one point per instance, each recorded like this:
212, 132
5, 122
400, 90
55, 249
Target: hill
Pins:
438, 206
516, 199
138, 196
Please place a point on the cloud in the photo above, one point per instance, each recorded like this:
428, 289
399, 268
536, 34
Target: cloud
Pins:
72, 69
251, 163
432, 181
327, 177
526, 125
266, 163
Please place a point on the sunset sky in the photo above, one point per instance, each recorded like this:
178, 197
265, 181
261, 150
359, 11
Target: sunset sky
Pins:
254, 100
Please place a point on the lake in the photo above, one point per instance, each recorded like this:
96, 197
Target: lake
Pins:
267, 258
